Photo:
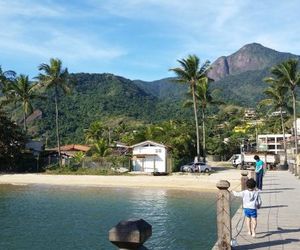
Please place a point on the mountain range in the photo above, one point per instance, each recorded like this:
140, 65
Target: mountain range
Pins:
238, 80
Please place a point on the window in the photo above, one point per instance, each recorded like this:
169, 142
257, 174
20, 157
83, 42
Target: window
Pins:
271, 140
158, 150
271, 146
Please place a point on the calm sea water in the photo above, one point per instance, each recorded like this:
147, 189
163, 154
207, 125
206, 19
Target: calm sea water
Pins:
50, 217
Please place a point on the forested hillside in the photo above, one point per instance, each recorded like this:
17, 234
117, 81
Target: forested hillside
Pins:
103, 97
108, 98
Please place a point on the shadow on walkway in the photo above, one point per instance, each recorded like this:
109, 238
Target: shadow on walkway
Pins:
273, 206
266, 244
279, 231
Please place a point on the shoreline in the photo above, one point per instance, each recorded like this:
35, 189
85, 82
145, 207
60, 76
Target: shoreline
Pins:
180, 182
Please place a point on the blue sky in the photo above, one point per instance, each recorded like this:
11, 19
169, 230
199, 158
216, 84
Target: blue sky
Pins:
139, 39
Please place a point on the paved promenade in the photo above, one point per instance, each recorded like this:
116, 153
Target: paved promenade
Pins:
278, 219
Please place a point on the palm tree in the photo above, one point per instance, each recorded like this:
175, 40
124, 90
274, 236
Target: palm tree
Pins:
6, 78
100, 149
23, 91
94, 132
287, 73
277, 94
57, 78
204, 97
191, 72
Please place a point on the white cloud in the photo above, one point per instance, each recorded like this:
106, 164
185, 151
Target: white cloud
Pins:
36, 29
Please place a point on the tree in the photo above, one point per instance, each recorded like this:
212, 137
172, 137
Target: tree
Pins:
204, 96
11, 143
277, 94
100, 149
6, 78
287, 74
56, 78
191, 72
94, 132
23, 91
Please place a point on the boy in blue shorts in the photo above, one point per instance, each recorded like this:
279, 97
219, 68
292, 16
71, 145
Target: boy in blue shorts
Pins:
251, 201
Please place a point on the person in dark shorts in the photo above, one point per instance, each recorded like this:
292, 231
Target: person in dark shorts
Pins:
251, 202
259, 170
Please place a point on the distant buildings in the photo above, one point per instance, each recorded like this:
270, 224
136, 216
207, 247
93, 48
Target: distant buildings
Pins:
271, 143
249, 114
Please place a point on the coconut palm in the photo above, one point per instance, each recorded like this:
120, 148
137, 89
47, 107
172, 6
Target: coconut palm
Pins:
287, 74
6, 78
94, 132
22, 91
191, 72
204, 97
100, 149
57, 78
277, 99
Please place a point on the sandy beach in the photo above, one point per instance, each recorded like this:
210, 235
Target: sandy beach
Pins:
195, 182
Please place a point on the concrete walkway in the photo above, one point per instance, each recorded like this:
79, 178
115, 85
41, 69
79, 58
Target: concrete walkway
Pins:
278, 219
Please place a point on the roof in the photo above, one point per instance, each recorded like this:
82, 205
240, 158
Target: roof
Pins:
143, 155
73, 147
148, 142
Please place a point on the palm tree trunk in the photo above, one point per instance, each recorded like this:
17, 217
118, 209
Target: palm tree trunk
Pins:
196, 122
295, 133
203, 134
284, 141
25, 125
57, 125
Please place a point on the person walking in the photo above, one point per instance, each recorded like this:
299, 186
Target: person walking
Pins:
251, 202
259, 170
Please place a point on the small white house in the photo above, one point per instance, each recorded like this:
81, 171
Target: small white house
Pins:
149, 156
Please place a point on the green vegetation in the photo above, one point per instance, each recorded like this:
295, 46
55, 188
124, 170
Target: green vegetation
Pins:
22, 91
192, 73
287, 74
104, 109
11, 144
55, 78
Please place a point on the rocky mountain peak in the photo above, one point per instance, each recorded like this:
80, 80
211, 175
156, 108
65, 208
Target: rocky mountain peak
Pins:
253, 56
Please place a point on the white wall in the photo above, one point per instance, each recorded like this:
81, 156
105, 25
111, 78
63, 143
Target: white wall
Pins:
275, 142
153, 163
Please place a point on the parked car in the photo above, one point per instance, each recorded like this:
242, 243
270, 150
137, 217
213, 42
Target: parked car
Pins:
195, 167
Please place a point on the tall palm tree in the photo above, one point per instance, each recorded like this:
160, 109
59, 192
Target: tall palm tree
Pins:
204, 97
287, 73
24, 92
57, 78
191, 72
277, 98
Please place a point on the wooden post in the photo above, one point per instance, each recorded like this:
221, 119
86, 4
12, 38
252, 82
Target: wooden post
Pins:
130, 234
223, 216
252, 173
244, 179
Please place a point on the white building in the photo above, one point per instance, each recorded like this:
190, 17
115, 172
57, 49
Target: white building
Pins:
271, 142
149, 156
